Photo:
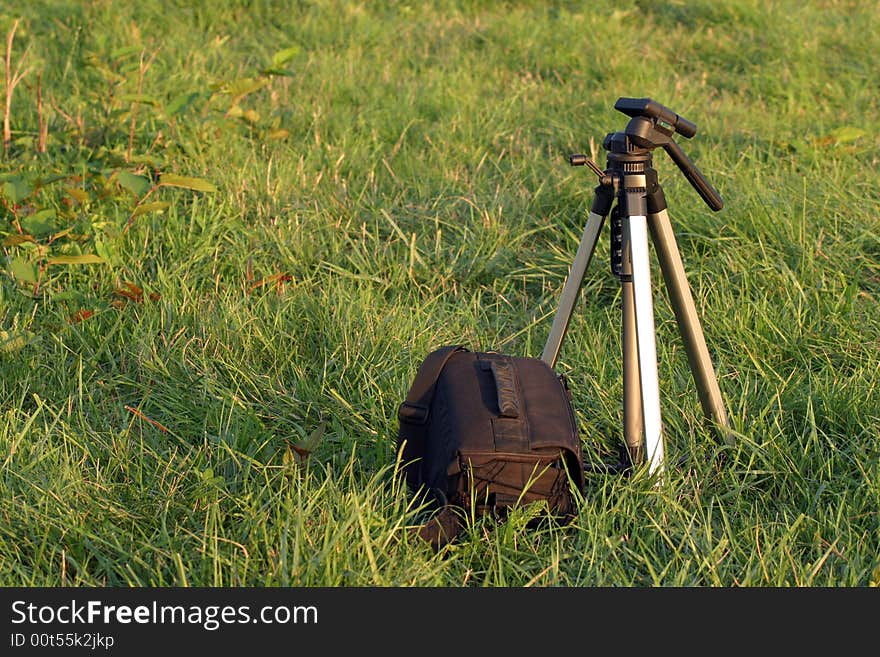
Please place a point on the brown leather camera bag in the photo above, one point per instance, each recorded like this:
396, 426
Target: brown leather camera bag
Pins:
482, 432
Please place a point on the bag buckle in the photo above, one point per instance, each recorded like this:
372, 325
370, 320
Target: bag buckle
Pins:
412, 413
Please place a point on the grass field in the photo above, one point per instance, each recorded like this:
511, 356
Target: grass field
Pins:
232, 230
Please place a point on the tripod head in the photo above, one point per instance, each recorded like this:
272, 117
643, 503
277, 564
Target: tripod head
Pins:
653, 125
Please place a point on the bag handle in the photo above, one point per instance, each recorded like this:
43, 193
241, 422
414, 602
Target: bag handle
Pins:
505, 386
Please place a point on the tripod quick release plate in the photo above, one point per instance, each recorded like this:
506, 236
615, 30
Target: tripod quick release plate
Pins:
660, 113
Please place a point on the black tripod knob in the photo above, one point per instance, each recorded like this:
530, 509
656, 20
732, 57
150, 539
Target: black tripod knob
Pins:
579, 160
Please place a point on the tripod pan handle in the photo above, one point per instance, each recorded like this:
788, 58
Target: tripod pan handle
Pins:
695, 178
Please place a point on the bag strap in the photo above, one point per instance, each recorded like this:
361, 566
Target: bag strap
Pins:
413, 416
441, 529
413, 412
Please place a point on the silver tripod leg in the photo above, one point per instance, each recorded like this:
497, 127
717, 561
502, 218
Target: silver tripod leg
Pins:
689, 323
635, 232
572, 286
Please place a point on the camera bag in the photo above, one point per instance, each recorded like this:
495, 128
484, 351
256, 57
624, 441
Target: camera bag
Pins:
482, 432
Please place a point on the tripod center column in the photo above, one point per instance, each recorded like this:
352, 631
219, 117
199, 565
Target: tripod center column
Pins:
641, 381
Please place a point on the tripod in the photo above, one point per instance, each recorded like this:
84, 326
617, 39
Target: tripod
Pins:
640, 207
